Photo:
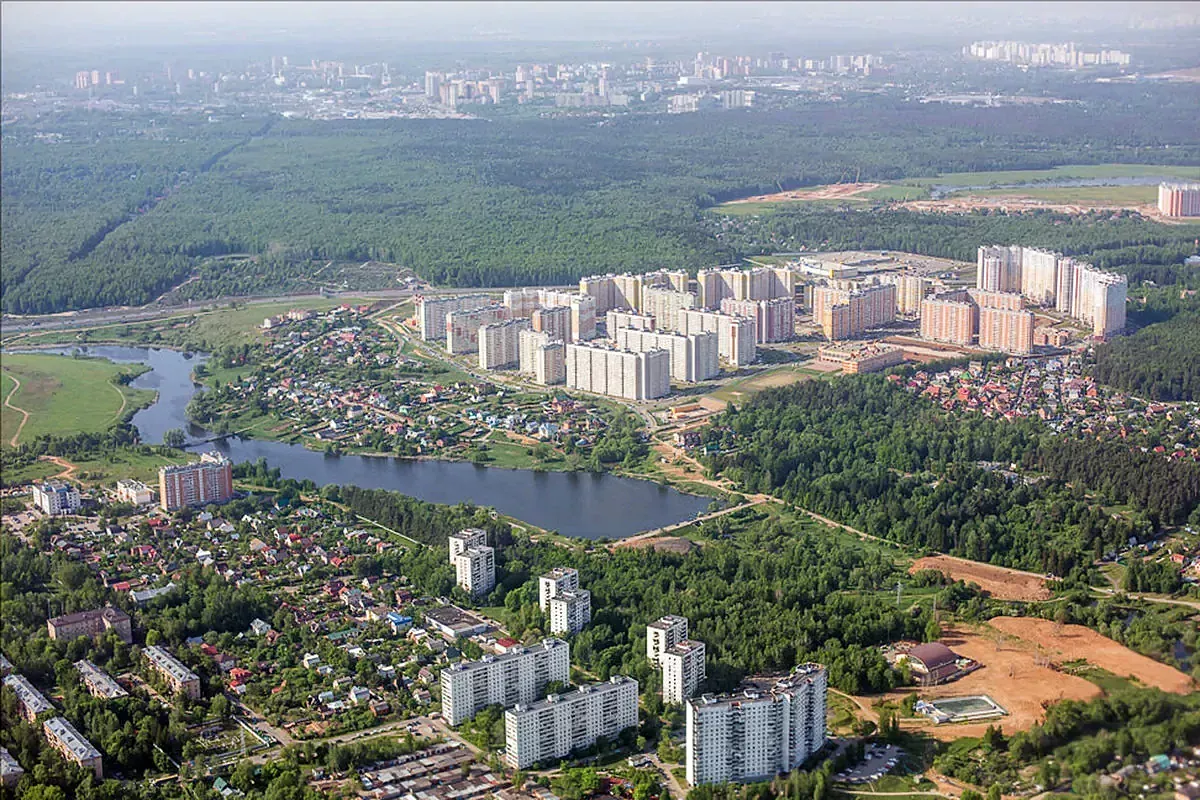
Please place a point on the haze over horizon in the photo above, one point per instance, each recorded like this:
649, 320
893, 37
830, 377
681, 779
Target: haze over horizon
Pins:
33, 26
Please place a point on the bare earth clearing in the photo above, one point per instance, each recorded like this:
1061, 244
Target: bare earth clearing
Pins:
999, 582
834, 192
1075, 642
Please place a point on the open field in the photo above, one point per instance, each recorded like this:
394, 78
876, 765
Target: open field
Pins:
1107, 196
999, 582
1073, 642
65, 395
743, 388
1011, 676
1066, 172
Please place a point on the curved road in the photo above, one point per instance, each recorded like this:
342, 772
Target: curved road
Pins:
23, 412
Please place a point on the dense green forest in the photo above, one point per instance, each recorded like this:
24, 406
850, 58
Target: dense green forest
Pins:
124, 210
871, 455
1160, 361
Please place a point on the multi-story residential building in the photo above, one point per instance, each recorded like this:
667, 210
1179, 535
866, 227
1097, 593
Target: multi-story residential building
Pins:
683, 670
554, 321
616, 320
522, 303
209, 480
613, 291
618, 373
462, 327
32, 702
570, 611
664, 305
432, 311
693, 356
843, 313
1005, 330
518, 676
583, 312
737, 337
134, 492
1179, 199
475, 570
98, 682
62, 736
999, 268
950, 317
94, 623
1092, 296
550, 729
910, 291
10, 769
56, 498
543, 357
1006, 301
754, 736
759, 283
498, 343
1039, 274
559, 579
775, 320
464, 540
177, 677
663, 634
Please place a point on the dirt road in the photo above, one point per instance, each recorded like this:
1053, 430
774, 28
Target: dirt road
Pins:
23, 412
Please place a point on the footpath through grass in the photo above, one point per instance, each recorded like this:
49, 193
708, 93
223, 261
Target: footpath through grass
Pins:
65, 395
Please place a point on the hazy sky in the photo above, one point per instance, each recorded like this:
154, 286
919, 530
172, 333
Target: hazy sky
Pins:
33, 25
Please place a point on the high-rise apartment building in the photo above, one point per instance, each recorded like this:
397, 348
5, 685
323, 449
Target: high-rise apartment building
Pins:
775, 320
664, 305
737, 337
528, 343
1006, 330
1179, 199
559, 579
693, 356
433, 85
843, 313
499, 345
618, 373
542, 356
175, 675
626, 291
754, 736
1092, 296
683, 670
462, 327
950, 317
209, 480
518, 676
663, 634
550, 729
910, 291
759, 283
62, 736
555, 321
475, 570
432, 311
522, 302
616, 320
464, 540
583, 311
570, 611
999, 268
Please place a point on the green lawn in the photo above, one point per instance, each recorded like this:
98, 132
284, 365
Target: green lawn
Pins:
1077, 195
741, 389
1057, 173
66, 395
896, 192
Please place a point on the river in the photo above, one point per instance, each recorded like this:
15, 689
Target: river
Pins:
579, 504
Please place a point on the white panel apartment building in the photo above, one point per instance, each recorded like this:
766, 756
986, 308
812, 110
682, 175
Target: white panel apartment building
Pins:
737, 337
754, 736
663, 634
570, 611
618, 373
693, 356
616, 320
583, 311
555, 321
522, 302
759, 283
462, 327
683, 669
664, 305
56, 498
1093, 296
519, 676
542, 356
559, 579
550, 729
774, 320
498, 343
432, 311
464, 540
475, 570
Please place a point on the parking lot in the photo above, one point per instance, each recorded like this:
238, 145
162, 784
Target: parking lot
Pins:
880, 760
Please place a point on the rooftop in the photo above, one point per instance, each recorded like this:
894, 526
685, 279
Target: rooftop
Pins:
933, 654
611, 684
109, 613
169, 664
685, 647
58, 728
558, 573
453, 617
98, 680
482, 663
668, 621
30, 697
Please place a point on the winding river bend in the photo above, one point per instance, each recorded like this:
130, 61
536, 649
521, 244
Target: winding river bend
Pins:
576, 504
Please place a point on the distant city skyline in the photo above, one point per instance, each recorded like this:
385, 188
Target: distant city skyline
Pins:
56, 25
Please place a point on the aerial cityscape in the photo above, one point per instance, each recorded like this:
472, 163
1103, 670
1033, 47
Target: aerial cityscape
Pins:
599, 401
